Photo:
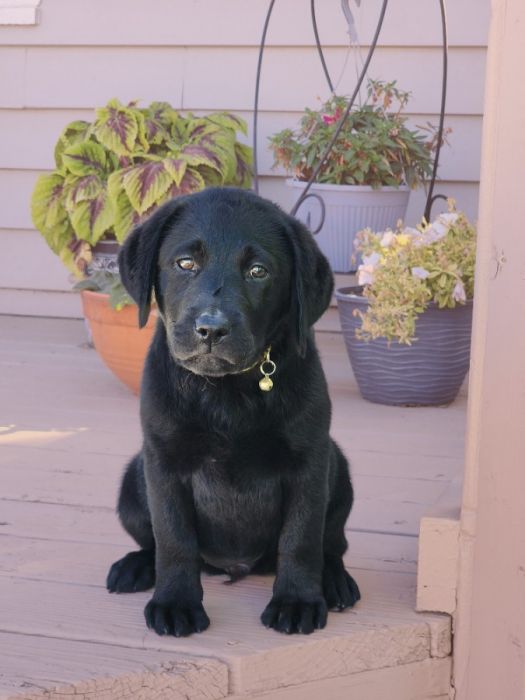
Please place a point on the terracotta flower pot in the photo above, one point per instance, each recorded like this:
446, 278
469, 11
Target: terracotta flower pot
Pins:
117, 337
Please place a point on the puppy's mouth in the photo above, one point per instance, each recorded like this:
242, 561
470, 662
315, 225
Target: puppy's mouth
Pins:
208, 365
214, 359
212, 362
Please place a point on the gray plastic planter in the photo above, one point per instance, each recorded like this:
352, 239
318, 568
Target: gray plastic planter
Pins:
427, 373
349, 209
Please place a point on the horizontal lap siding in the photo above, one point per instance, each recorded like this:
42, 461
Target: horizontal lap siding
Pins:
202, 56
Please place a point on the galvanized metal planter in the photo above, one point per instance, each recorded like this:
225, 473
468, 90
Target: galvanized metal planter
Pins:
427, 373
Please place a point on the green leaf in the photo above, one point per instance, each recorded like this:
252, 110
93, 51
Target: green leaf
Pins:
76, 256
145, 184
84, 158
92, 218
191, 182
229, 121
126, 218
163, 113
176, 167
80, 189
243, 170
117, 128
142, 136
118, 296
200, 155
47, 206
73, 133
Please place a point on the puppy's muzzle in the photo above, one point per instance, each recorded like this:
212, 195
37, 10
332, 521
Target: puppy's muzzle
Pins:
212, 327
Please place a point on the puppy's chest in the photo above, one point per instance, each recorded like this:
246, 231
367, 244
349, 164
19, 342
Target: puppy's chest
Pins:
222, 496
238, 515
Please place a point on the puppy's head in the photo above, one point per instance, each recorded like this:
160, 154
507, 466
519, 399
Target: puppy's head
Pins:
231, 274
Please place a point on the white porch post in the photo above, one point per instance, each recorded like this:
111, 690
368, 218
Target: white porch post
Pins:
489, 661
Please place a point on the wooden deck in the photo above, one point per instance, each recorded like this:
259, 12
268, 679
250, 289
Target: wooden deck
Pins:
66, 428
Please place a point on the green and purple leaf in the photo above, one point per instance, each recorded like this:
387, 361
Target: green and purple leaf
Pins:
92, 218
126, 218
176, 167
76, 256
75, 132
80, 189
243, 171
191, 182
117, 128
145, 184
201, 155
84, 158
227, 120
48, 192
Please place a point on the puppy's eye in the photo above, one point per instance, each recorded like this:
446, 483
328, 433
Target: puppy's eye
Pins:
258, 272
186, 264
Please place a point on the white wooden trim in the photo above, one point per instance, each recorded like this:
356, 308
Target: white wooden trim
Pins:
19, 12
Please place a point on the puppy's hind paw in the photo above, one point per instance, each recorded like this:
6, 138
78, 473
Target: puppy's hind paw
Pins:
134, 572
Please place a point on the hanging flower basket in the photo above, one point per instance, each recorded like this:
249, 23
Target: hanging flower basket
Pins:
349, 209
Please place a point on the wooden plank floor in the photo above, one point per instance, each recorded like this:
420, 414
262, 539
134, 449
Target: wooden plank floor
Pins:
66, 428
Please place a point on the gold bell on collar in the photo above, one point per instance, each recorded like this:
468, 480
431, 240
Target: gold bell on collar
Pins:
267, 368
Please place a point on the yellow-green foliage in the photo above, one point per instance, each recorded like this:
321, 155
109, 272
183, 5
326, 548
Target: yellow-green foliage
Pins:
405, 270
115, 171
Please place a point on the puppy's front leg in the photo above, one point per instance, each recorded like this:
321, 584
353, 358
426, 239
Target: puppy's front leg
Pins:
176, 607
298, 604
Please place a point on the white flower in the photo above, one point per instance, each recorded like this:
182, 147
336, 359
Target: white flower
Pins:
440, 226
449, 218
371, 259
365, 272
436, 231
420, 273
364, 275
459, 292
387, 239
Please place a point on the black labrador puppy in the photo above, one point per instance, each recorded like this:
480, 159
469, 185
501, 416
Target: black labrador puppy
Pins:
237, 472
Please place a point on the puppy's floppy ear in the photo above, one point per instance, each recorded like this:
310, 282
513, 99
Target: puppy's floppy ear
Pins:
313, 281
138, 257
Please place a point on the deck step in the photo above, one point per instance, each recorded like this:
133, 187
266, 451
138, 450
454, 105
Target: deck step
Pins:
439, 552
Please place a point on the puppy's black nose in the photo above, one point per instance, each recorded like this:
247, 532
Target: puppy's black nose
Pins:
212, 327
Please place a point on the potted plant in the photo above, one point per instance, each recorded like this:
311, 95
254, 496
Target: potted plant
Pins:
407, 326
112, 173
367, 177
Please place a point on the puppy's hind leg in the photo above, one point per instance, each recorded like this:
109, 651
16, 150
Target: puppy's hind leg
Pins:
135, 571
339, 588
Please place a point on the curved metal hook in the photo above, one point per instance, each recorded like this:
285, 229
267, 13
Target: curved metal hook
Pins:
323, 210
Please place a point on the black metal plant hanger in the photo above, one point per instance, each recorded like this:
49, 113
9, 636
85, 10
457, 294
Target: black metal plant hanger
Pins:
431, 197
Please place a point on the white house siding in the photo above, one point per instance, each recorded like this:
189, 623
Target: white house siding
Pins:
201, 55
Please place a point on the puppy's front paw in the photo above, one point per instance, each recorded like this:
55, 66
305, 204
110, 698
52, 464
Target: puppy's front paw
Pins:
339, 588
177, 618
291, 615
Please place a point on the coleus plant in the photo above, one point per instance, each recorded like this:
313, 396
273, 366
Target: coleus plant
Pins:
115, 171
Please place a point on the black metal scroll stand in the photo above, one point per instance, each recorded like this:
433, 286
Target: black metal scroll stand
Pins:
431, 197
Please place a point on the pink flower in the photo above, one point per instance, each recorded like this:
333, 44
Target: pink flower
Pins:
332, 118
